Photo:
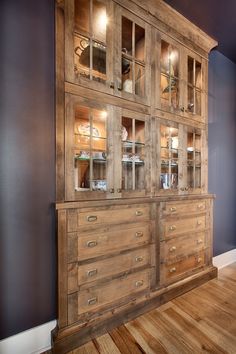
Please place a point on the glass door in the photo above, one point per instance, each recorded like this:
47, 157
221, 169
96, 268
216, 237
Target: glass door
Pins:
194, 159
88, 44
132, 71
170, 76
134, 156
195, 106
87, 151
169, 153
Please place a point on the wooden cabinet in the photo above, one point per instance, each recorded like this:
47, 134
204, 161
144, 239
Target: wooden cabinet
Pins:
133, 210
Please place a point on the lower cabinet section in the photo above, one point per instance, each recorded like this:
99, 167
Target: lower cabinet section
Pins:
120, 259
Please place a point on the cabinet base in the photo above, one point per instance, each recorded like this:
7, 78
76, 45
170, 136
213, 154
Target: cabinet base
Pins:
69, 338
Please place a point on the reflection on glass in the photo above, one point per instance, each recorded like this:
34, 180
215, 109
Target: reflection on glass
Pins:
139, 42
133, 154
90, 40
90, 149
127, 71
99, 22
193, 159
133, 56
82, 18
169, 157
169, 74
194, 86
139, 80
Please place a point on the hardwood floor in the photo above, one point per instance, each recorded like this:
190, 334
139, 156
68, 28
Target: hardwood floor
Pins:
200, 321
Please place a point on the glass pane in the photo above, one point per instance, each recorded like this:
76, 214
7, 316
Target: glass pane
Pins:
190, 176
99, 62
139, 80
198, 102
99, 21
127, 79
126, 35
133, 154
174, 92
191, 99
139, 131
198, 177
164, 57
190, 70
197, 142
174, 62
169, 157
90, 149
82, 14
198, 75
82, 56
82, 148
165, 87
139, 42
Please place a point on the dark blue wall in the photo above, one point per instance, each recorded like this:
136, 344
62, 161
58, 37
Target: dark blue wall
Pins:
27, 165
222, 149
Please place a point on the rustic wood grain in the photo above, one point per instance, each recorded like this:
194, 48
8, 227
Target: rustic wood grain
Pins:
200, 321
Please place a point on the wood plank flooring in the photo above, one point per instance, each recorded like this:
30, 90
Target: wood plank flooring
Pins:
200, 321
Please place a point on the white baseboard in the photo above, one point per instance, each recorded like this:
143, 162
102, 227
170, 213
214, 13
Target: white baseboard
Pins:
225, 259
33, 341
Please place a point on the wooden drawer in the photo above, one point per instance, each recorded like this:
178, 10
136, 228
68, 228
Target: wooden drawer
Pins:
116, 215
176, 227
96, 297
182, 246
114, 239
82, 274
183, 208
190, 263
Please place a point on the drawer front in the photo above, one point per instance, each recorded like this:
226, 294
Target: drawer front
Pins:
180, 208
113, 265
100, 296
95, 245
122, 214
182, 246
176, 227
176, 269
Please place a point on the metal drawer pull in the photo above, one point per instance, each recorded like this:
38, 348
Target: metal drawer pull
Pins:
172, 270
92, 272
92, 301
139, 234
199, 260
172, 209
199, 241
138, 213
111, 190
199, 222
112, 84
139, 259
92, 218
172, 228
172, 249
92, 243
139, 283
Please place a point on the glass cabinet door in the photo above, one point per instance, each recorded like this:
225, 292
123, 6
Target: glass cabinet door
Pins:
194, 159
87, 151
132, 63
88, 44
195, 96
134, 156
169, 150
170, 76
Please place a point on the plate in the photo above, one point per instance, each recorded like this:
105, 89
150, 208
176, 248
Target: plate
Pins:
84, 129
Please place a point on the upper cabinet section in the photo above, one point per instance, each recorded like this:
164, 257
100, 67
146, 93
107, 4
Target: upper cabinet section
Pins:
180, 80
106, 49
